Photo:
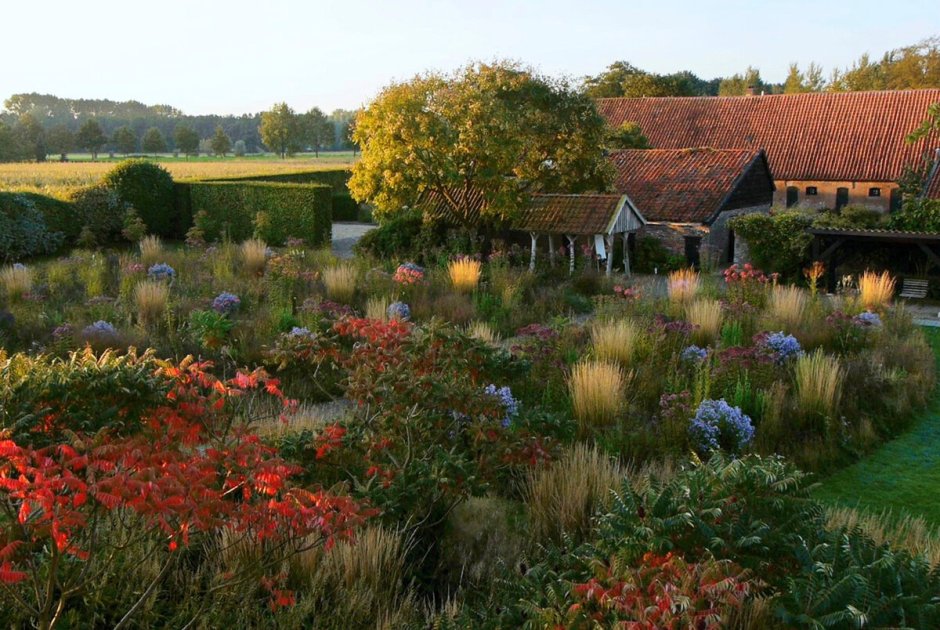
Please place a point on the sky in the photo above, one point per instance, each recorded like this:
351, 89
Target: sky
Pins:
236, 56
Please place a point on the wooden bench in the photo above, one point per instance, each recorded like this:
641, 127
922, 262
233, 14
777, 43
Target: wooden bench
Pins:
913, 289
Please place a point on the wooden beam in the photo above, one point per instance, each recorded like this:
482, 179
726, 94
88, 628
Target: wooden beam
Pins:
931, 255
571, 240
535, 241
829, 251
609, 242
626, 253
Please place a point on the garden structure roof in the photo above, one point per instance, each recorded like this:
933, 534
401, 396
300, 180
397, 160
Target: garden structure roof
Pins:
692, 185
824, 136
578, 215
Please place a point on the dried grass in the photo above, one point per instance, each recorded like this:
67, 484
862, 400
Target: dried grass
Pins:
597, 392
910, 533
787, 306
564, 498
483, 331
151, 297
340, 282
254, 255
151, 249
818, 383
875, 290
616, 341
683, 285
706, 316
17, 281
464, 274
377, 308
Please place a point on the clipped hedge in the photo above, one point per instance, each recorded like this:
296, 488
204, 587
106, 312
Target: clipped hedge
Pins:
276, 210
24, 226
336, 179
345, 208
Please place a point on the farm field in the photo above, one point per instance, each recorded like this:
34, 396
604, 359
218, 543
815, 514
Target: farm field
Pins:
59, 179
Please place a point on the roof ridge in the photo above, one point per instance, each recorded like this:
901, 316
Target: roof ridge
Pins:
847, 93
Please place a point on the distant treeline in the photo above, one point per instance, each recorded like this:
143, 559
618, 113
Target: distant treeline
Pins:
33, 123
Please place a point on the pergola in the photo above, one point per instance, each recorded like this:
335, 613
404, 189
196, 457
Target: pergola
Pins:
829, 244
601, 217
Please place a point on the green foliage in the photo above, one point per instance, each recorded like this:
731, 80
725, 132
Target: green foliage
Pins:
134, 227
316, 130
209, 328
627, 136
148, 188
488, 128
281, 130
100, 210
153, 141
186, 140
345, 208
124, 140
299, 210
87, 393
24, 229
917, 215
91, 137
651, 255
777, 241
395, 239
852, 217
624, 79
335, 178
221, 143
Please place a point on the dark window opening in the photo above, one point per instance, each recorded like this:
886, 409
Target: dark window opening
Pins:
811, 191
692, 251
730, 257
896, 199
793, 196
874, 192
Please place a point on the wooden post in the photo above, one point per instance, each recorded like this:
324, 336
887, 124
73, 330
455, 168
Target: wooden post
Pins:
609, 242
551, 250
570, 253
535, 240
626, 253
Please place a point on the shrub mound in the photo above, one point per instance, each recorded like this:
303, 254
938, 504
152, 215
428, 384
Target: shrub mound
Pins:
148, 188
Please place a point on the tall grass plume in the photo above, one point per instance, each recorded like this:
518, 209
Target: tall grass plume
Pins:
151, 298
340, 282
875, 290
597, 392
464, 274
818, 383
616, 341
254, 255
151, 249
683, 285
706, 316
17, 281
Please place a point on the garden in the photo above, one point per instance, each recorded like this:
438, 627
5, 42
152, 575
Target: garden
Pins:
240, 429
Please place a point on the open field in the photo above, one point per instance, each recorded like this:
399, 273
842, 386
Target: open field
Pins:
903, 475
58, 179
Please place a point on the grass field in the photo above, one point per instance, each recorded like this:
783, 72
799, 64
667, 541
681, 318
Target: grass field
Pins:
58, 179
903, 475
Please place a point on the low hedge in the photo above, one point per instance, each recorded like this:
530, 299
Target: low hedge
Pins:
275, 210
335, 178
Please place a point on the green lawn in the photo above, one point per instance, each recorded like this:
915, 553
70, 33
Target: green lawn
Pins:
902, 476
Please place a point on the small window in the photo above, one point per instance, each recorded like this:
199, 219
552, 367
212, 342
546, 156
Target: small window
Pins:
874, 192
811, 191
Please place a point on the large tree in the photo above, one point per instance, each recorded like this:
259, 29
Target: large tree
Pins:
32, 136
317, 130
221, 143
153, 141
124, 140
91, 137
281, 130
627, 136
61, 140
624, 79
499, 130
186, 140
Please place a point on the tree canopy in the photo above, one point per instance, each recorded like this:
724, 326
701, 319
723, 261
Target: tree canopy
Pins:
281, 130
499, 130
186, 139
153, 141
626, 136
91, 137
221, 143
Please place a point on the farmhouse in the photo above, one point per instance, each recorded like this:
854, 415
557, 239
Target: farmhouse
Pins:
687, 196
825, 150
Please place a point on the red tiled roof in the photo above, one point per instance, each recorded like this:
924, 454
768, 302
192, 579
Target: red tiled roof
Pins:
828, 136
569, 214
681, 185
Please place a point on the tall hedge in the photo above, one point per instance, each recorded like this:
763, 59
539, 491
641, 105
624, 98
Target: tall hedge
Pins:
335, 178
276, 210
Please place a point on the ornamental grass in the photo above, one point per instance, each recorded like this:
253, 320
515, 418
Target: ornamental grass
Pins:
483, 331
151, 249
818, 383
340, 282
17, 281
900, 532
151, 297
464, 274
706, 316
683, 285
254, 255
875, 290
787, 306
616, 341
596, 388
563, 498
377, 308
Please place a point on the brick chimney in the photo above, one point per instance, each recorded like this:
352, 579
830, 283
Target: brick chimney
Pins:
750, 91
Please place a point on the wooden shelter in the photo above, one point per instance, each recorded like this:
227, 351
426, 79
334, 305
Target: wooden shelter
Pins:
594, 216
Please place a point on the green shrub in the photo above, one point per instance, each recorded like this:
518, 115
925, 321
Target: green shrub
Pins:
345, 208
917, 215
335, 178
101, 210
148, 188
298, 210
777, 241
23, 228
651, 254
852, 217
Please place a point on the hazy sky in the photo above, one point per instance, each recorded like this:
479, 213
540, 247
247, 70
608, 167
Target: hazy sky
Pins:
241, 56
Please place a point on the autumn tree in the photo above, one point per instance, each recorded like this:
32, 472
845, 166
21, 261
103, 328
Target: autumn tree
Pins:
221, 143
737, 84
281, 130
186, 140
810, 81
91, 137
153, 141
498, 130
124, 140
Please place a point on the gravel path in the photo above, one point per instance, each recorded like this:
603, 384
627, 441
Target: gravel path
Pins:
345, 235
